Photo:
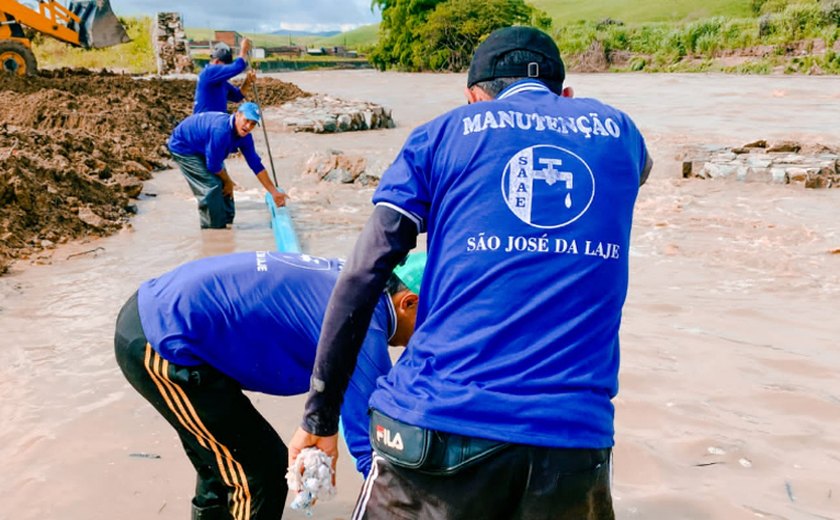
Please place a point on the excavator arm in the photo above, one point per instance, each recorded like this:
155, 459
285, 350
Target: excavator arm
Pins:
85, 23
51, 18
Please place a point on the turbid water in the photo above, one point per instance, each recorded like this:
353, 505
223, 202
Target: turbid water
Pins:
730, 402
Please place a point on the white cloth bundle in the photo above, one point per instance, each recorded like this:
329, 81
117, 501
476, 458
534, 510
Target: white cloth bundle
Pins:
311, 478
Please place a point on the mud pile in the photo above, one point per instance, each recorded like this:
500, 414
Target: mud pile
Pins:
76, 145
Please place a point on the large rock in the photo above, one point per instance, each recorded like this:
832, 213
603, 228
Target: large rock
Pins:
785, 162
335, 166
325, 114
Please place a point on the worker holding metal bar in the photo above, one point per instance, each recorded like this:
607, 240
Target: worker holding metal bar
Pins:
201, 143
213, 89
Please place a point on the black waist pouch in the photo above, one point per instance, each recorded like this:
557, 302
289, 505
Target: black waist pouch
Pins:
425, 450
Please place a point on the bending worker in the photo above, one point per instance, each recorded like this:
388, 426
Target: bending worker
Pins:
502, 400
201, 143
191, 340
213, 89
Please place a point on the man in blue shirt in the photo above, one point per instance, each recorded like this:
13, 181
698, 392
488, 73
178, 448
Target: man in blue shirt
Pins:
213, 89
500, 407
201, 143
191, 340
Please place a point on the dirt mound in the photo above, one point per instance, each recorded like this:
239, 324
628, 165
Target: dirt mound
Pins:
75, 146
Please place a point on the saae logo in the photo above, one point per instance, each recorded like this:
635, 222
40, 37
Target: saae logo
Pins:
547, 186
383, 436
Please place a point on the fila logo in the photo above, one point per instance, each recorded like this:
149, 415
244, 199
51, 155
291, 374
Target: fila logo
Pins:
383, 435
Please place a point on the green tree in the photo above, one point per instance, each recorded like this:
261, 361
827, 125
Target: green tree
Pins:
442, 35
397, 32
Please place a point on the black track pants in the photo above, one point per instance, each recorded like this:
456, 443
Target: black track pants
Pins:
239, 459
517, 483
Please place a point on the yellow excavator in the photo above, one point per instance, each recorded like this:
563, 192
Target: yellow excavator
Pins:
86, 23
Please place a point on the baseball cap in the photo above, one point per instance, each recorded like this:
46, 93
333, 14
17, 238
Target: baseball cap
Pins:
489, 53
222, 52
251, 110
410, 272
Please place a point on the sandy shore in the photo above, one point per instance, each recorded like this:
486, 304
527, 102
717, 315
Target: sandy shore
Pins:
730, 402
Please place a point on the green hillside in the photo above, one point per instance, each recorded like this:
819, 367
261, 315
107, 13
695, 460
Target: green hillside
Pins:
636, 11
360, 38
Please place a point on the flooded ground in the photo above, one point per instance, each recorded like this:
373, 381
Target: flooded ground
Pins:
730, 402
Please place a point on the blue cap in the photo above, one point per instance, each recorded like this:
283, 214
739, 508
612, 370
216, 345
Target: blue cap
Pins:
251, 110
410, 272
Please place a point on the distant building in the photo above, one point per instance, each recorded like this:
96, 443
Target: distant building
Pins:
201, 46
316, 51
232, 38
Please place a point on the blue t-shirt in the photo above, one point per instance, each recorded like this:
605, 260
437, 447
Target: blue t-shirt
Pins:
213, 136
212, 90
256, 317
527, 201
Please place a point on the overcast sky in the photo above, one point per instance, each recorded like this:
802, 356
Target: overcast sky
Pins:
259, 15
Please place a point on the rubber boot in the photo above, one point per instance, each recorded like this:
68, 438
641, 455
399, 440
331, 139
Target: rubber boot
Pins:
214, 512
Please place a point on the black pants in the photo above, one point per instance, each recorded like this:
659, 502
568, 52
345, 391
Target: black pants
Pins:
215, 209
518, 483
239, 458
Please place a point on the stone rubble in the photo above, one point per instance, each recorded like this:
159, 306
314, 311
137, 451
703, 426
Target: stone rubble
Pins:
786, 162
324, 114
172, 48
336, 166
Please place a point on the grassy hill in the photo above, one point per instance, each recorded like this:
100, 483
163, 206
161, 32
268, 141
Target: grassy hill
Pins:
636, 11
360, 38
793, 37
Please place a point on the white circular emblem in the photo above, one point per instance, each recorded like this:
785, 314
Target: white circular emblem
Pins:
547, 186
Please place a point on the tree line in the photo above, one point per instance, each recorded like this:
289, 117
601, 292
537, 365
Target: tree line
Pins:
441, 35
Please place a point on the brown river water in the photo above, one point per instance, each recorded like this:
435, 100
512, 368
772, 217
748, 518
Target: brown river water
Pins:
730, 396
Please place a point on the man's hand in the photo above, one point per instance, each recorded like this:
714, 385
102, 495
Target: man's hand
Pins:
247, 87
227, 188
303, 439
279, 198
244, 48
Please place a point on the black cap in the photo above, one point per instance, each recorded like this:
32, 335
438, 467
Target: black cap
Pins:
503, 41
222, 52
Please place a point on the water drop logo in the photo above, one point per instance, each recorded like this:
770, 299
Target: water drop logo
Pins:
547, 186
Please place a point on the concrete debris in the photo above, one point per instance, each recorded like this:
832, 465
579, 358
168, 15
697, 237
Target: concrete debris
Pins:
172, 48
325, 114
786, 162
335, 166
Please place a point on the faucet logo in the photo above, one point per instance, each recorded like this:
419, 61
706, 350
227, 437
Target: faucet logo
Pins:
548, 186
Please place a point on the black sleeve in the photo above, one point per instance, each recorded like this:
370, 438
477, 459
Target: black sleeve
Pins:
385, 241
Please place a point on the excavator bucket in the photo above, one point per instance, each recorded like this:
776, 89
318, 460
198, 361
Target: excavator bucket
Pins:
99, 26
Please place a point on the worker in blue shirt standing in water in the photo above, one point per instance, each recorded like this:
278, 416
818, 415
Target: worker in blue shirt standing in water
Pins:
201, 143
213, 89
191, 340
501, 406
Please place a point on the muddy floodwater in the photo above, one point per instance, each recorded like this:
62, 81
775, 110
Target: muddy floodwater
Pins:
729, 405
